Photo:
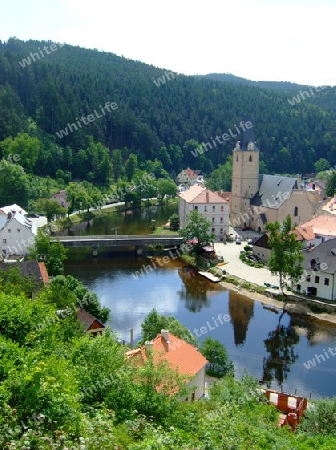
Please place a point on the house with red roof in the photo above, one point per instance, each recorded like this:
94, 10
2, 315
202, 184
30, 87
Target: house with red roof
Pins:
212, 206
189, 177
180, 356
90, 323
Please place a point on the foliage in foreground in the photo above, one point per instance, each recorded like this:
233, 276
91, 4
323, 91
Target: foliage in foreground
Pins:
61, 389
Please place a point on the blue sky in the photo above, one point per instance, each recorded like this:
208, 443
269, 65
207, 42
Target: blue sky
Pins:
288, 40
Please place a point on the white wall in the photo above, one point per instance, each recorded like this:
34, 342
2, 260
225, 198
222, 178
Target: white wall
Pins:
199, 383
323, 291
18, 239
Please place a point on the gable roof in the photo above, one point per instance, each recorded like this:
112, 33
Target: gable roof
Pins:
87, 319
325, 254
199, 194
21, 219
189, 172
178, 353
13, 208
304, 233
30, 269
273, 190
324, 225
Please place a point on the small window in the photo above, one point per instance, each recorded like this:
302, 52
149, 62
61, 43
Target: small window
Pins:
222, 208
205, 208
221, 231
296, 211
196, 208
213, 220
221, 220
308, 278
9, 230
250, 158
237, 158
317, 279
18, 230
4, 241
326, 281
213, 208
213, 230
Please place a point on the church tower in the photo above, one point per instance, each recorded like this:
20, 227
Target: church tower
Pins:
245, 179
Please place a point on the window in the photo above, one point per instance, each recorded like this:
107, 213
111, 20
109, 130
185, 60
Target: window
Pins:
326, 282
222, 208
213, 220
196, 208
4, 241
308, 278
213, 230
317, 279
205, 208
237, 158
296, 211
18, 230
221, 231
221, 220
250, 158
213, 208
9, 230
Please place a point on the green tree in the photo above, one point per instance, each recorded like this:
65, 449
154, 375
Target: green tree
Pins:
320, 418
321, 164
14, 185
220, 179
166, 188
286, 254
331, 184
51, 208
216, 354
25, 146
131, 166
197, 229
118, 167
51, 252
174, 221
154, 323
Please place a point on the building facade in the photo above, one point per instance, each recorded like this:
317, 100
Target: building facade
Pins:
17, 235
212, 206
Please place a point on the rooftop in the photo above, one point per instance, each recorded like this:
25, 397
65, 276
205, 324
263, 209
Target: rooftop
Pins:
324, 225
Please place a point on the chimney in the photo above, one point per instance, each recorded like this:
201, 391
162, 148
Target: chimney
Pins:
165, 335
149, 347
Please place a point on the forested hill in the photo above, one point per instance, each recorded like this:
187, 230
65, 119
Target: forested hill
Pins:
325, 98
155, 109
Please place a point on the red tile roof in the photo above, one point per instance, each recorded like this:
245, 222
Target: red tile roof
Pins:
304, 233
44, 272
178, 353
199, 194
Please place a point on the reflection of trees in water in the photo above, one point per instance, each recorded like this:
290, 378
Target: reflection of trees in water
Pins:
314, 331
280, 346
195, 290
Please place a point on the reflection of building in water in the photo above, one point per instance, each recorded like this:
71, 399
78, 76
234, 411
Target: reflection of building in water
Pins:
196, 290
314, 331
241, 312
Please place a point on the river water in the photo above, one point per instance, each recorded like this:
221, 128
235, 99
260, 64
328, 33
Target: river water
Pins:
267, 344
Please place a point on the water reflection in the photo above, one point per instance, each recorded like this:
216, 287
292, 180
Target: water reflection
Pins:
280, 345
241, 311
196, 290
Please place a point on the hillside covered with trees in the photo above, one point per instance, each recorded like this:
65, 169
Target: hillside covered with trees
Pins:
157, 115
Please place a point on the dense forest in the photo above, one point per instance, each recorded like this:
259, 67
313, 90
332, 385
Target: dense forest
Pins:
157, 114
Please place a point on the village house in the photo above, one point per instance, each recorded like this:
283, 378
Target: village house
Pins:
212, 206
13, 208
34, 272
61, 198
323, 226
188, 177
180, 355
17, 234
319, 276
258, 199
330, 207
90, 323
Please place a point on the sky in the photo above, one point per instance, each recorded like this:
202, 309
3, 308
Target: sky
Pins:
283, 40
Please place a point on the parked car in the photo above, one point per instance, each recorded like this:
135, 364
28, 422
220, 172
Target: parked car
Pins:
238, 240
250, 241
246, 228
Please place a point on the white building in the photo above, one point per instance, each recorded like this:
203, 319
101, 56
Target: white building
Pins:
211, 205
17, 234
319, 276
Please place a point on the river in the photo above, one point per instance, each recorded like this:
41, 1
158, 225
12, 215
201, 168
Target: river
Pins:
272, 347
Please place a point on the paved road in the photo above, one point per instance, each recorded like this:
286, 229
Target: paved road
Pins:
235, 266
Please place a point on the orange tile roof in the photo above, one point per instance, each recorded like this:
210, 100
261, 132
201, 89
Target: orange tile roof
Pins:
199, 194
178, 353
190, 173
44, 272
305, 233
324, 224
